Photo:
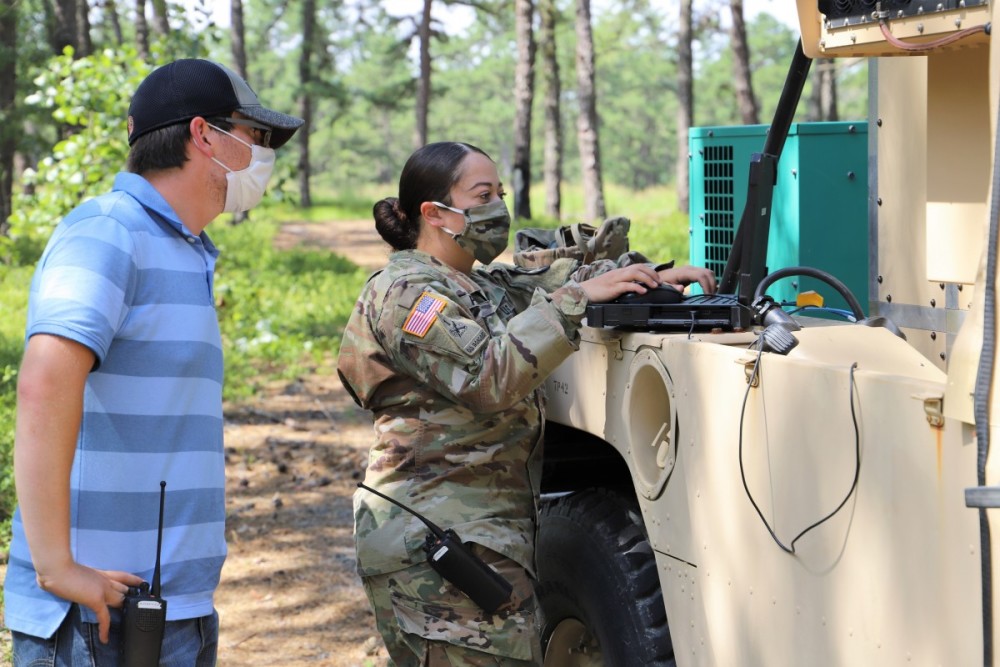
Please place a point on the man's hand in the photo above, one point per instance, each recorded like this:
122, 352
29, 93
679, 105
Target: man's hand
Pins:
96, 589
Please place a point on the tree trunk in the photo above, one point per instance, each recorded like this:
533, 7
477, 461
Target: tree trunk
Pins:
387, 169
84, 45
161, 23
586, 124
424, 84
822, 103
63, 32
828, 88
685, 103
237, 39
141, 30
305, 101
237, 34
111, 11
8, 88
553, 123
813, 110
745, 99
524, 91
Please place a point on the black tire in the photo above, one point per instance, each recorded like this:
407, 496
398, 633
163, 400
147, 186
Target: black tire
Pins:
598, 585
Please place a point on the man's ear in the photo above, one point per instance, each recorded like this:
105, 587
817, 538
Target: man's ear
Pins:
431, 214
201, 137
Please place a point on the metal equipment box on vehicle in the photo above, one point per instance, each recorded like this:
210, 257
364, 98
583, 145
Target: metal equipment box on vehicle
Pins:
819, 206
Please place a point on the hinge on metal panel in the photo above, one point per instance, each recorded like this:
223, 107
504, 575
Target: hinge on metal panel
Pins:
933, 408
749, 361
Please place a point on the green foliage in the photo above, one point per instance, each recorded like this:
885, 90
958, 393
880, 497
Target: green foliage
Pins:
364, 69
14, 283
637, 103
772, 45
281, 312
79, 106
87, 99
354, 204
658, 229
472, 99
852, 88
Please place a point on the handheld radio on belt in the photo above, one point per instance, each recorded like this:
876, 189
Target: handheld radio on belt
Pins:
144, 613
454, 561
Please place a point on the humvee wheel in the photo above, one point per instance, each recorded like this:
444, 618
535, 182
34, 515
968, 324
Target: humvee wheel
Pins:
572, 645
598, 585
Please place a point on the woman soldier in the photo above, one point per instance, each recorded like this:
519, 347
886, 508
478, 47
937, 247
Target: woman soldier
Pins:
451, 361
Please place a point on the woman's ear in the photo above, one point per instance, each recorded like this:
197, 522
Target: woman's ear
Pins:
431, 214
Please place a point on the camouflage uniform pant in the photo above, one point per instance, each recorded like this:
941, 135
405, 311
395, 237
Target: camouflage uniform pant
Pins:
426, 622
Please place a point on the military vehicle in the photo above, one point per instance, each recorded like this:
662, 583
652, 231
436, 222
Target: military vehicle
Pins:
784, 489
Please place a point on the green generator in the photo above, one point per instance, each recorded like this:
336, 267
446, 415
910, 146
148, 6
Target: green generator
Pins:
819, 211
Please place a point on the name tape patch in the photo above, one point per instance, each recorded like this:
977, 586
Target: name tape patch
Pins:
423, 314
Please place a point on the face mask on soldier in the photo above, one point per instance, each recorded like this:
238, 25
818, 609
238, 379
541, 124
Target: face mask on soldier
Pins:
487, 228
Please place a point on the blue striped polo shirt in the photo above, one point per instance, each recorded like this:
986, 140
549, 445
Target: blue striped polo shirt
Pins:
122, 276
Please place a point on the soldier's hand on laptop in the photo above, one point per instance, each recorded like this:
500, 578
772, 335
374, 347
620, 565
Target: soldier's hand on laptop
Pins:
610, 285
682, 276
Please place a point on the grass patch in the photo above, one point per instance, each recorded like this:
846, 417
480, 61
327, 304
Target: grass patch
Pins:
353, 205
14, 284
281, 312
658, 230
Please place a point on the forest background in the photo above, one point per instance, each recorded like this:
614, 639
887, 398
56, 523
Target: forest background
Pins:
585, 109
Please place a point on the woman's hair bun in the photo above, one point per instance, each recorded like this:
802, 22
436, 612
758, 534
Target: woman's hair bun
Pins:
393, 225
397, 208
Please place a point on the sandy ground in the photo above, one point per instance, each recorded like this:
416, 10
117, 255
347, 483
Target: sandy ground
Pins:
290, 594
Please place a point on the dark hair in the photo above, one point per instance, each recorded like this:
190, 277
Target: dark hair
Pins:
428, 175
164, 148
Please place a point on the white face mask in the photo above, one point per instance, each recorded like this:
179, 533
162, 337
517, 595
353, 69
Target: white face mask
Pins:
244, 188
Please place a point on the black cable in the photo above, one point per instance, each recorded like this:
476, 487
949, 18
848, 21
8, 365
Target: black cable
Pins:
743, 475
857, 459
982, 398
819, 274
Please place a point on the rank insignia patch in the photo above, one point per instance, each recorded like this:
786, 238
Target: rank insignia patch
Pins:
423, 314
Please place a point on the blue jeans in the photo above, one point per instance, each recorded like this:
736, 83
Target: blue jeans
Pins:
189, 643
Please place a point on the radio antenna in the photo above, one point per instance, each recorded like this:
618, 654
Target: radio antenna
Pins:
155, 589
434, 528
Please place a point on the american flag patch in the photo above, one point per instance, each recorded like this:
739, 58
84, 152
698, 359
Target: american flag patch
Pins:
423, 314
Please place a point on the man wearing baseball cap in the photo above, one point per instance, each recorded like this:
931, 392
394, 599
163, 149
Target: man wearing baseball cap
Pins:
120, 386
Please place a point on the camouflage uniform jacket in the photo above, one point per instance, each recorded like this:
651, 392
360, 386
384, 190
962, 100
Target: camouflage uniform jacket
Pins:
451, 365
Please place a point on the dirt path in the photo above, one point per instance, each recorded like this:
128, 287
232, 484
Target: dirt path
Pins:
290, 595
354, 239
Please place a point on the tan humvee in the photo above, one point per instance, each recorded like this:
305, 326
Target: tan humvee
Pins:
823, 506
